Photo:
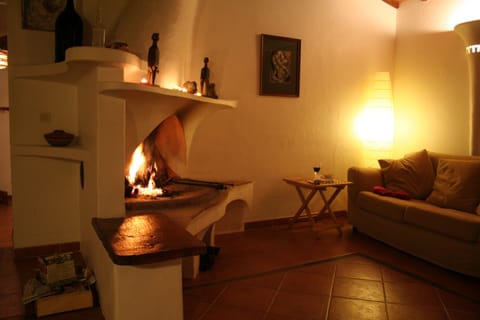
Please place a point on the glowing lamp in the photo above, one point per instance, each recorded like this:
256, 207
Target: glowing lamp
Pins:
375, 122
374, 125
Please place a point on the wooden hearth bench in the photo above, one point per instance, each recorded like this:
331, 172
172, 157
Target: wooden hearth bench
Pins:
144, 266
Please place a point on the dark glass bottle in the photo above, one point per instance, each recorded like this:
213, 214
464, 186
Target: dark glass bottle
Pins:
68, 31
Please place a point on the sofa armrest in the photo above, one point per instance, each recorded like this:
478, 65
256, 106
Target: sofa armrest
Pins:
364, 179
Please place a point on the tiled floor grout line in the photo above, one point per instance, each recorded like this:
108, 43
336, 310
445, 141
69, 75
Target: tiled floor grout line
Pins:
330, 297
268, 272
420, 278
437, 292
384, 291
210, 306
277, 291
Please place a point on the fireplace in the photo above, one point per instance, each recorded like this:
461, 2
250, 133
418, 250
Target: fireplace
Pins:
99, 97
153, 185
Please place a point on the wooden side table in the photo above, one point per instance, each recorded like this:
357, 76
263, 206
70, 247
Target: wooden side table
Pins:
312, 189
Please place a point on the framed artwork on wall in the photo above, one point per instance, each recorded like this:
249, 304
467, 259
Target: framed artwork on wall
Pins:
41, 14
279, 66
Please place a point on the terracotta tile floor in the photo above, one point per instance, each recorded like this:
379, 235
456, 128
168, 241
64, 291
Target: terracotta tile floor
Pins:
277, 273
352, 287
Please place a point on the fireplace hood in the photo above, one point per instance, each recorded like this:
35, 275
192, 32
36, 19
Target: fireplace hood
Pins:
147, 106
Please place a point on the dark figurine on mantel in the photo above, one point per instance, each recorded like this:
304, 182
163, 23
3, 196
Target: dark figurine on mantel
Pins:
204, 78
153, 58
207, 89
211, 92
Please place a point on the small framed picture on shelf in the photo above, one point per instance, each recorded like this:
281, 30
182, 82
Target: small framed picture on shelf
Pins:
279, 66
41, 14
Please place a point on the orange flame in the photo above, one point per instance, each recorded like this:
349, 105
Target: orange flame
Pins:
137, 164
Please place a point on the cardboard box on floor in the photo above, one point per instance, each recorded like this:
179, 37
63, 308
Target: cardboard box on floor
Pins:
72, 299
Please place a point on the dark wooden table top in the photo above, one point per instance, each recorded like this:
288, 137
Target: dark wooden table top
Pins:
145, 239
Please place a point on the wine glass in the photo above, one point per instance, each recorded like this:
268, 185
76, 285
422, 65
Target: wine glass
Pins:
316, 172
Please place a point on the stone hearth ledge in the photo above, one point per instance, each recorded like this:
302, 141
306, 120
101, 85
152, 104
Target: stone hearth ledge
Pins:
144, 265
146, 238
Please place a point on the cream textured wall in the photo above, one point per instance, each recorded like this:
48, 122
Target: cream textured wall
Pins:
173, 20
431, 77
344, 42
266, 138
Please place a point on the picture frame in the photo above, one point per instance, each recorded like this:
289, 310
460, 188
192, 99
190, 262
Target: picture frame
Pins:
279, 66
41, 14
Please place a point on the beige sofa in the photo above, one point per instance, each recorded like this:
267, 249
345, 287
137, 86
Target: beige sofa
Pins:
439, 223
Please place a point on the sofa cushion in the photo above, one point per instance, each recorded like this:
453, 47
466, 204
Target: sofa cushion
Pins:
413, 174
450, 222
387, 207
457, 185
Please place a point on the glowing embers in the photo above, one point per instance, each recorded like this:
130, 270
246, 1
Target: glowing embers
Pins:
143, 176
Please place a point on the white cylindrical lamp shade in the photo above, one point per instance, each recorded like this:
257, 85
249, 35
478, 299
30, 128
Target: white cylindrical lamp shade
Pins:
470, 34
3, 59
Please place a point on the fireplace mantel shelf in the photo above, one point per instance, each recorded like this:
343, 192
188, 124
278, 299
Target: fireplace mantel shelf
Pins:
129, 90
77, 58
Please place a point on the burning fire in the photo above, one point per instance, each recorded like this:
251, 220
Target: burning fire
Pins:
137, 166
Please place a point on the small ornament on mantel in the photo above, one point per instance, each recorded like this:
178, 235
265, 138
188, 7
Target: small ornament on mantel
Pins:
190, 87
211, 92
153, 58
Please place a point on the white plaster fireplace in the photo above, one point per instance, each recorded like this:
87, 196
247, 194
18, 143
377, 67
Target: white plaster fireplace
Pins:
97, 95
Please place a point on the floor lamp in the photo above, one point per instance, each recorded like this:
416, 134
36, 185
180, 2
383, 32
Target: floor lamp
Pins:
470, 34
